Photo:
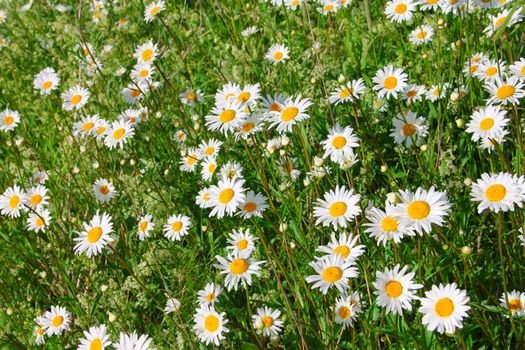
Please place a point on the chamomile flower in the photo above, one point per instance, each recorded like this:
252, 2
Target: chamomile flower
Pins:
39, 177
209, 325
340, 143
39, 331
249, 94
389, 81
56, 320
423, 208
177, 227
95, 338
208, 168
130, 115
344, 246
400, 10
287, 168
413, 93
267, 322
46, 81
226, 118
135, 92
210, 148
436, 92
226, 196
75, 98
385, 225
498, 192
489, 70
250, 125
497, 21
273, 103
86, 125
395, 289
146, 52
38, 221
203, 198
238, 267
209, 295
241, 241
429, 4
350, 91
11, 201
277, 53
328, 6
453, 6
253, 205
36, 197
190, 160
142, 72
408, 129
249, 31
172, 305
487, 122
330, 271
95, 235
133, 342
517, 69
153, 9
293, 4
191, 96
292, 112
145, 226
9, 120
444, 308
104, 190
180, 136
118, 134
346, 309
506, 91
337, 208
513, 302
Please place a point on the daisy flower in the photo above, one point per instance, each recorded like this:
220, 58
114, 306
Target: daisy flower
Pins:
209, 295
425, 5
453, 6
95, 235
135, 92
172, 305
337, 207
514, 302
505, 91
56, 321
39, 177
210, 148
203, 198
39, 331
413, 93
238, 268
95, 338
142, 72
177, 227
100, 129
86, 125
250, 125
294, 4
226, 197
9, 120
38, 221
209, 325
423, 208
517, 69
104, 190
133, 342
226, 118
436, 92
249, 94
241, 241
488, 122
266, 322
344, 246
180, 136
153, 9
498, 192
46, 81
231, 170
190, 97
146, 52
389, 81
189, 162
346, 309
250, 31
118, 134
491, 143
489, 70
227, 94
328, 6
340, 143
75, 98
292, 112
36, 197
444, 308
208, 168
11, 201
385, 225
145, 226
277, 53
350, 91
330, 271
253, 205
399, 10
497, 21
395, 289
273, 103
408, 129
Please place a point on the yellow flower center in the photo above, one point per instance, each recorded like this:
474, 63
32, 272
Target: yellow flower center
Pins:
134, 92
119, 133
328, 7
147, 54
46, 85
418, 210
76, 99
411, 93
390, 83
8, 120
226, 196
176, 226
13, 202
154, 10
243, 96
495, 193
239, 266
57, 321
289, 114
339, 142
192, 96
211, 167
209, 150
332, 274
247, 127
491, 71
267, 321
96, 344
143, 226
94, 234
389, 224
35, 199
227, 115
393, 289
408, 130
250, 206
505, 91
88, 126
401, 8
344, 312
342, 250
210, 297
444, 307
346, 92
278, 55
143, 73
515, 305
337, 209
101, 130
40, 331
211, 323
242, 244
422, 35
486, 124
39, 222
104, 189
500, 21
275, 107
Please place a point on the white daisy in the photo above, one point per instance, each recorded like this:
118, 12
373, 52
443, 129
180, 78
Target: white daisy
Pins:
254, 204
133, 342
331, 270
344, 246
172, 305
498, 192
153, 9
208, 168
517, 69
292, 112
421, 35
505, 91
413, 93
408, 128
337, 207
146, 52
389, 81
177, 227
497, 21
487, 122
489, 70
514, 302
56, 321
209, 325
95, 338
142, 72
266, 322
11, 201
95, 235
226, 197
209, 295
145, 226
46, 81
350, 91
75, 98
226, 118
386, 225
190, 160
399, 10
277, 53
38, 221
238, 268
340, 143
36, 197
9, 119
190, 97
241, 241
118, 134
104, 190
346, 309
